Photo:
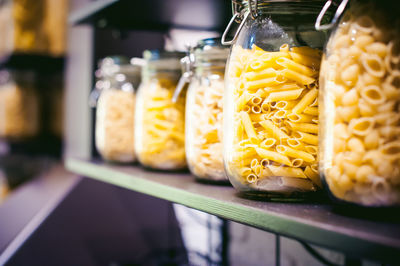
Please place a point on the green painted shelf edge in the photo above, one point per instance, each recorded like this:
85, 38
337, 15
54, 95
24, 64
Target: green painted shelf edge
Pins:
292, 227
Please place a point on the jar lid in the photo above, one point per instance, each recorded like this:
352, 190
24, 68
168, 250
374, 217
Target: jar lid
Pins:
163, 60
210, 49
112, 65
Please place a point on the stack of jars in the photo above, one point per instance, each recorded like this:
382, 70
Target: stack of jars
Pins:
285, 112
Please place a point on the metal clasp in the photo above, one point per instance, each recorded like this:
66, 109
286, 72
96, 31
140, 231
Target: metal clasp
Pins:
233, 19
240, 17
253, 9
187, 65
338, 13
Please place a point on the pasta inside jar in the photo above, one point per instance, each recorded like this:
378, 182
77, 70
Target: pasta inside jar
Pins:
116, 86
115, 125
160, 122
273, 106
204, 111
19, 106
360, 116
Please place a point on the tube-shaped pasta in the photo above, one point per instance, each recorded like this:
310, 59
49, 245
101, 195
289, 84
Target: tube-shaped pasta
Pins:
286, 83
288, 151
273, 156
248, 127
298, 77
286, 171
305, 101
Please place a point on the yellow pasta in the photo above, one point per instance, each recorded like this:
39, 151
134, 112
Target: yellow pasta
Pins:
248, 127
159, 131
274, 130
19, 111
283, 95
275, 101
300, 78
309, 61
287, 171
286, 62
362, 123
305, 101
273, 156
243, 100
257, 75
288, 151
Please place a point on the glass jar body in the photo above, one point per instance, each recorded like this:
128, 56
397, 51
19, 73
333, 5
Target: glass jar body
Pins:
19, 105
359, 115
160, 129
204, 111
270, 106
115, 107
115, 125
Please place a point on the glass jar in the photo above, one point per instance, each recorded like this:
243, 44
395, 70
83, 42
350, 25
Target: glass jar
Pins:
271, 104
114, 135
360, 100
204, 111
160, 122
19, 105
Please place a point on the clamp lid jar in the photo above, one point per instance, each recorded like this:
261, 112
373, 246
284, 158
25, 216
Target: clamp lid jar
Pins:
160, 123
271, 99
204, 110
115, 89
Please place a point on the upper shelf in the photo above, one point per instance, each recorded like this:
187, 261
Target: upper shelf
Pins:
25, 61
154, 14
315, 223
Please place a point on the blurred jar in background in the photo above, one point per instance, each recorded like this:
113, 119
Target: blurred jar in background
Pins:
19, 105
33, 26
118, 80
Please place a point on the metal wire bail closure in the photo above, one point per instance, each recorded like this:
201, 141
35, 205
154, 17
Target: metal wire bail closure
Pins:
233, 19
186, 76
253, 9
338, 13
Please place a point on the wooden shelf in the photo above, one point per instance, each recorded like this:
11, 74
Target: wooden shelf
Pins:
155, 14
309, 222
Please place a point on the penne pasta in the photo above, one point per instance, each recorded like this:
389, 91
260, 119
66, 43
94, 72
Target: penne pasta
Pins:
278, 87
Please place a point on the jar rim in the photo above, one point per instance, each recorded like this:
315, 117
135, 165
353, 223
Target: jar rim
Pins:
266, 4
155, 55
210, 49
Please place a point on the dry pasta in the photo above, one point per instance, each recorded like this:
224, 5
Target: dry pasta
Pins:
115, 125
204, 129
360, 155
280, 131
19, 111
159, 128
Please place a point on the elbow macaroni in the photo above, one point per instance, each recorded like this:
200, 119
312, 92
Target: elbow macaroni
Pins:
359, 109
278, 137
